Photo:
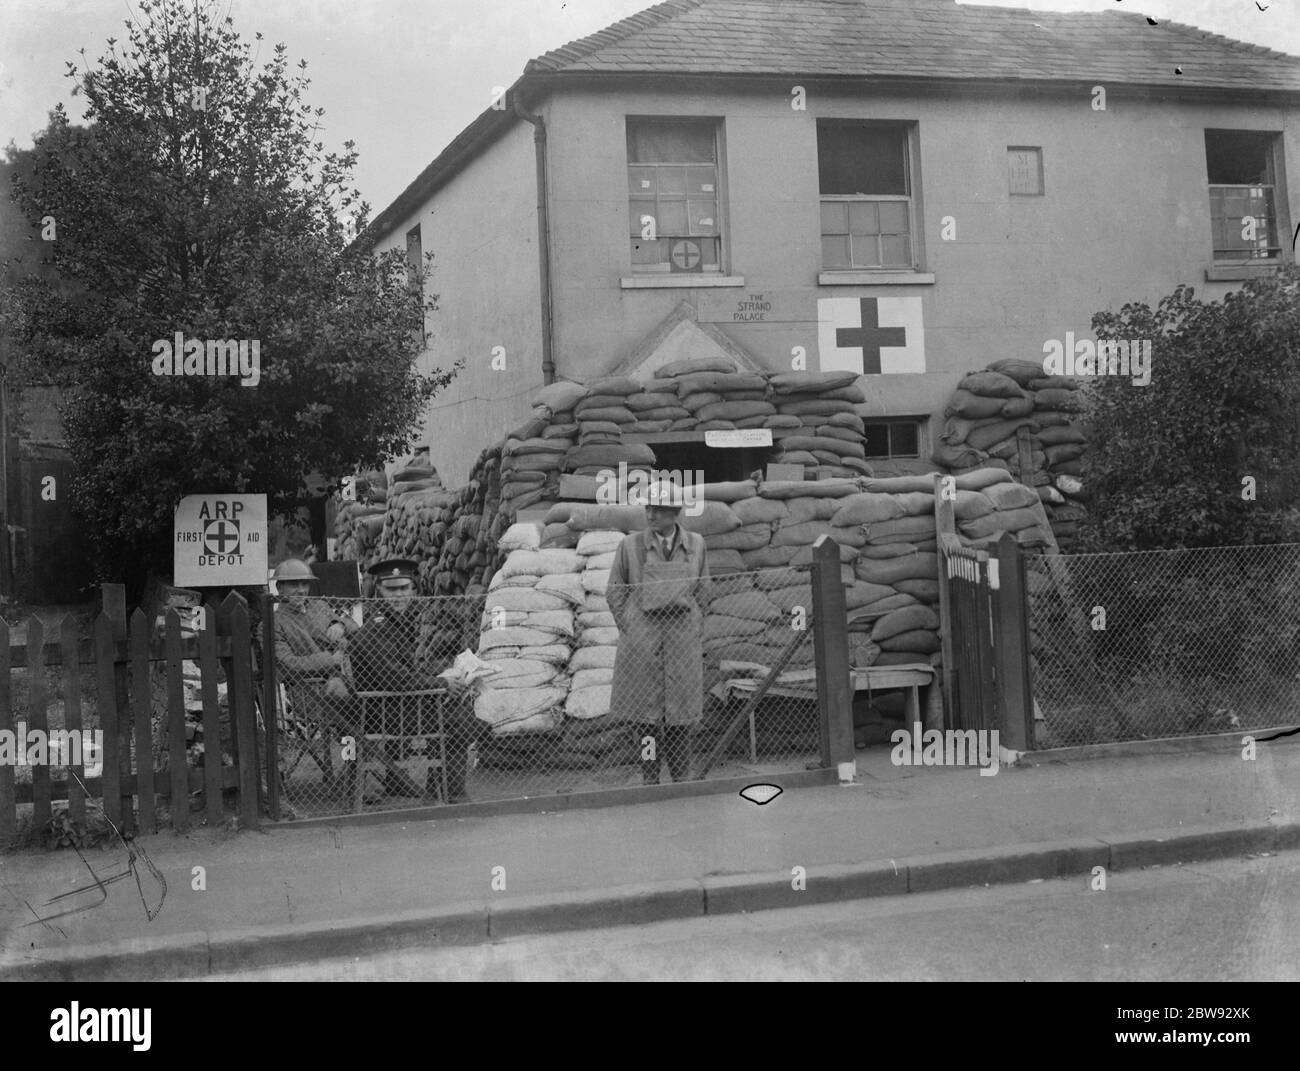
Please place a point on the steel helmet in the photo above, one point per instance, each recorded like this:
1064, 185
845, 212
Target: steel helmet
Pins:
293, 569
666, 495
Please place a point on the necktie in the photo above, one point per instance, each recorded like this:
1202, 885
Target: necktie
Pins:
666, 548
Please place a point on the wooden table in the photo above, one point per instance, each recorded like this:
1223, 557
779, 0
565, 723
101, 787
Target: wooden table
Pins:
802, 684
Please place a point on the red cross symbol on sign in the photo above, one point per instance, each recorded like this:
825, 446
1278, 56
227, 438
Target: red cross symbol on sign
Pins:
686, 255
217, 534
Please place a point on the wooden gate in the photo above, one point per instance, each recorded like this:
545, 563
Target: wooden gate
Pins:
107, 686
984, 630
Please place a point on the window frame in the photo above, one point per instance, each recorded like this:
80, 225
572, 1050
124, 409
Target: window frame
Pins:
413, 265
662, 270
1277, 254
910, 129
919, 423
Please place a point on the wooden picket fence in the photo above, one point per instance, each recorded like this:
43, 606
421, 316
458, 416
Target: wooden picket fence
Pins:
120, 654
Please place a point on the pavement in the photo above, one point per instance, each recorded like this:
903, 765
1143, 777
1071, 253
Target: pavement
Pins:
244, 900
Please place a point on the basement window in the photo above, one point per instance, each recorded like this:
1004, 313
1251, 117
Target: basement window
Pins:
894, 438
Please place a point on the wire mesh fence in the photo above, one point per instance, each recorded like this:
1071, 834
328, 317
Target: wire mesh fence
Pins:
550, 682
1164, 643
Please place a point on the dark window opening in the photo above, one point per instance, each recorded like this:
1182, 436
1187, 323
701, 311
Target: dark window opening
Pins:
893, 438
1243, 196
707, 464
866, 194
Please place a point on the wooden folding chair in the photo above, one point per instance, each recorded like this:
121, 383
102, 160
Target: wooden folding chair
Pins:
387, 710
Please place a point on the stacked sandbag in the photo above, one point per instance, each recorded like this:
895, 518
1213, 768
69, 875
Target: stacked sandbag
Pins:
983, 415
892, 604
724, 401
990, 502
778, 525
466, 531
1066, 508
589, 735
725, 534
411, 515
1058, 422
1057, 443
527, 634
595, 429
824, 431
754, 618
530, 464
657, 407
790, 514
357, 528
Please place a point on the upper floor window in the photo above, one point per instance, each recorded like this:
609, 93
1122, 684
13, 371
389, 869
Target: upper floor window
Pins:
1243, 214
867, 210
673, 194
414, 263
414, 256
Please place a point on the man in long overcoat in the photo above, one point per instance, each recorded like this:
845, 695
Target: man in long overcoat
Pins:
658, 592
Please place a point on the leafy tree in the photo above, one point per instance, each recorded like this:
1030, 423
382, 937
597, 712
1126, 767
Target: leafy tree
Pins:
1166, 461
198, 200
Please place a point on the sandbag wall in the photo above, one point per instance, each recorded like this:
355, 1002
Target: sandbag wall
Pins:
549, 633
984, 416
359, 523
527, 633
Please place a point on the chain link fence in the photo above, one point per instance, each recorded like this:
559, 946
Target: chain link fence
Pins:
1164, 643
540, 687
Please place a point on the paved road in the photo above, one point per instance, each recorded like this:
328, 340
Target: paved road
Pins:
1234, 920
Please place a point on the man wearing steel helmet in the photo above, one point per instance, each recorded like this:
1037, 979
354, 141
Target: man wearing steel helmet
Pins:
657, 592
310, 643
309, 637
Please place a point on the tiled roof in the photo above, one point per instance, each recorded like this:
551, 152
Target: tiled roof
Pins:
912, 39
927, 40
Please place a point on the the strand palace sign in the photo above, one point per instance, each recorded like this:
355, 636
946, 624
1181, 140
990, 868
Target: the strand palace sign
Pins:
220, 540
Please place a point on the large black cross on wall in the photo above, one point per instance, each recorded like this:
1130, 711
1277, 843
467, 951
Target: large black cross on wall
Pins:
870, 337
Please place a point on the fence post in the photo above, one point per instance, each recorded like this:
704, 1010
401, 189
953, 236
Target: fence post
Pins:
8, 807
213, 779
114, 596
110, 782
1015, 713
142, 713
37, 719
945, 527
72, 717
239, 690
177, 762
269, 715
834, 677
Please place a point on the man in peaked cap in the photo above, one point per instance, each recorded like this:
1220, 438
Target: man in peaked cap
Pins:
403, 648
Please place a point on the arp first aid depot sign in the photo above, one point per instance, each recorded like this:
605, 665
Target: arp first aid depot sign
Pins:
219, 540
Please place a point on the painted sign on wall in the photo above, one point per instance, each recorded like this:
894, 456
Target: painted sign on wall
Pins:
871, 336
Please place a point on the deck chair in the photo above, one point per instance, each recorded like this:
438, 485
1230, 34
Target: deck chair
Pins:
303, 728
